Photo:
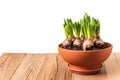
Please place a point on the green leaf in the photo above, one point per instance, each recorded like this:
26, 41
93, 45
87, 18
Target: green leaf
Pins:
77, 28
68, 29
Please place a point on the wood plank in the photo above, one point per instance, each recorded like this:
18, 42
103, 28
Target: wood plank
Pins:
113, 67
63, 72
51, 67
117, 56
42, 67
9, 67
37, 67
3, 58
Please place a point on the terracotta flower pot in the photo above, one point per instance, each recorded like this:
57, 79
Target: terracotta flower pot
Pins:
85, 62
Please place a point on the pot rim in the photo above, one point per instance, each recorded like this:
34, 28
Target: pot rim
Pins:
87, 50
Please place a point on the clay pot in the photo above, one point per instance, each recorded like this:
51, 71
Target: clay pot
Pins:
85, 62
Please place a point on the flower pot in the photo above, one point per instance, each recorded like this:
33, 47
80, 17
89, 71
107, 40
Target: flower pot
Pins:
85, 62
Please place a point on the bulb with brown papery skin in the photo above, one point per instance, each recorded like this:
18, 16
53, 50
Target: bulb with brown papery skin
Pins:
88, 43
67, 42
77, 42
99, 42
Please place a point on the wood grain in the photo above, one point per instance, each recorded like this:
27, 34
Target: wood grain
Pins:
10, 65
3, 58
24, 66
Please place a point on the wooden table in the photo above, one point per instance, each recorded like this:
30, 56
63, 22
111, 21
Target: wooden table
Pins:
24, 66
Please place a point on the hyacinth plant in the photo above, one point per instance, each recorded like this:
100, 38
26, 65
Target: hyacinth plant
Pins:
87, 34
68, 32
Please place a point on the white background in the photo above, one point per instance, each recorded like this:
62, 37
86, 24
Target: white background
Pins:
37, 25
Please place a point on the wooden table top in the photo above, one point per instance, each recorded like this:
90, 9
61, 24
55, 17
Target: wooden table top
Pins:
22, 66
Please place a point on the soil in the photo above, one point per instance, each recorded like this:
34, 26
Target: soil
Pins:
71, 47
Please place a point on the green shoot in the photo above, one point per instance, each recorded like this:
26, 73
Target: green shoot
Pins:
68, 28
87, 30
77, 29
96, 27
87, 27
